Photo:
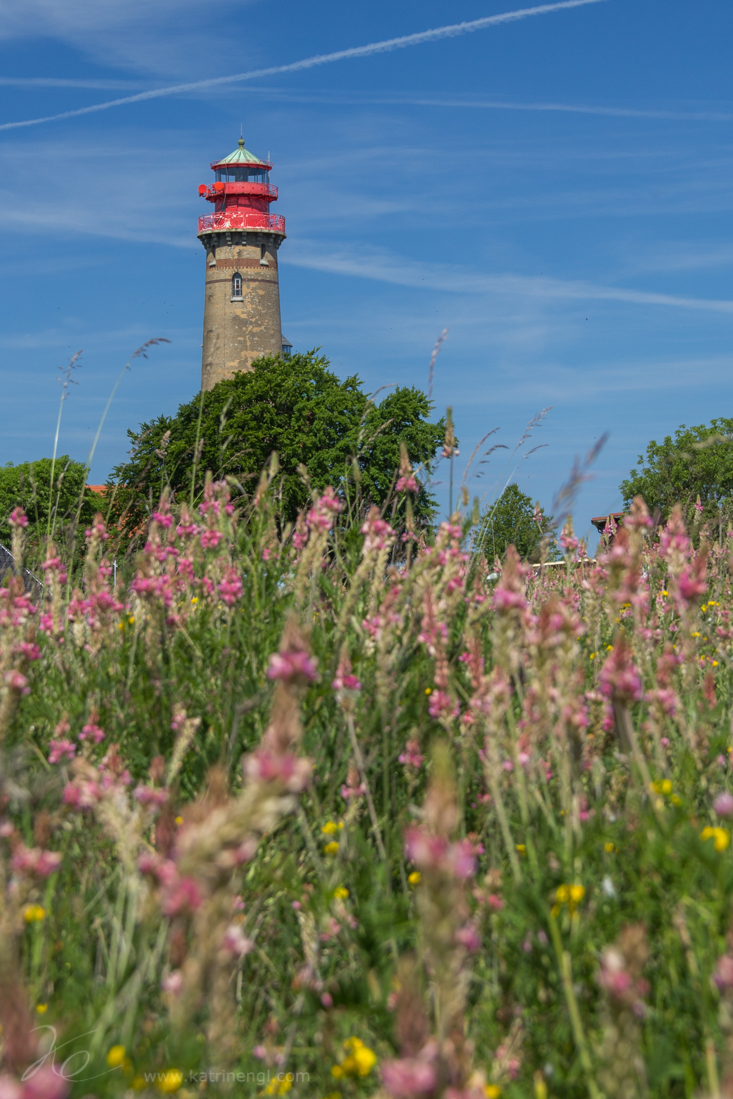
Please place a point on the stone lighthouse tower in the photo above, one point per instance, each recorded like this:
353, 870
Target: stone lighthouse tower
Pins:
241, 238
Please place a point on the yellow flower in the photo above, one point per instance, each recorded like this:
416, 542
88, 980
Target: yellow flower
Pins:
662, 786
414, 877
365, 1059
331, 848
428, 690
131, 619
720, 836
41, 1008
32, 913
592, 656
665, 593
610, 847
676, 799
179, 820
695, 634
330, 827
139, 1083
116, 1056
195, 599
120, 625
492, 1091
521, 849
360, 1060
279, 1087
715, 663
571, 895
170, 1081
341, 893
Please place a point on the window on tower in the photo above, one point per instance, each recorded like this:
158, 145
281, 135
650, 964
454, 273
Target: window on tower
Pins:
236, 287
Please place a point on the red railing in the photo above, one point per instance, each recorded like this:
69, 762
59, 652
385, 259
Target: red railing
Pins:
242, 219
216, 190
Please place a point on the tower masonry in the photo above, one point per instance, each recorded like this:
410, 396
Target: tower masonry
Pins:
241, 238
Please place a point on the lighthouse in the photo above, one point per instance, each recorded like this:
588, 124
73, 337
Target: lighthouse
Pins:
242, 295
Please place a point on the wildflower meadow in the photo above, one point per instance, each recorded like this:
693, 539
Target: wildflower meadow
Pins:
336, 808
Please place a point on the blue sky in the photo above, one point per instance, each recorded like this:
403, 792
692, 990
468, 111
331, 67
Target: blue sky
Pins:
556, 191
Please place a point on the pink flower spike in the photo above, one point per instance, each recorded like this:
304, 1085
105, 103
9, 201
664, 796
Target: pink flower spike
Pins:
61, 749
18, 518
292, 666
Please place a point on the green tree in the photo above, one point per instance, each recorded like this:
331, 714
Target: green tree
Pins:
296, 407
698, 461
28, 485
511, 521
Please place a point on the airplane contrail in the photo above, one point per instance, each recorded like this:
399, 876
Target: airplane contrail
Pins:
370, 100
451, 31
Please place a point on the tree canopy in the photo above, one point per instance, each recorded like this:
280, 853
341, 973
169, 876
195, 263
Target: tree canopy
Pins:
297, 408
512, 520
29, 486
698, 461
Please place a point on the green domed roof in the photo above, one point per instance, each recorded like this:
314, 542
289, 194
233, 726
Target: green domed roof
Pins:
241, 156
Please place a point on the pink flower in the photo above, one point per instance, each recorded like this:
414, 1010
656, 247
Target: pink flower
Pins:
327, 1000
92, 732
183, 895
469, 937
61, 749
32, 860
412, 757
723, 974
723, 804
230, 587
235, 943
18, 518
48, 1083
292, 666
16, 681
378, 533
292, 772
210, 539
150, 795
430, 852
408, 1078
442, 706
407, 484
81, 794
619, 678
495, 902
10, 1088
173, 982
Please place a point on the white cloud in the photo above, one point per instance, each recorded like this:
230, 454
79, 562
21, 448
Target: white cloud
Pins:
387, 267
161, 36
